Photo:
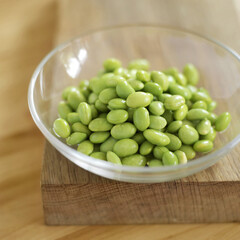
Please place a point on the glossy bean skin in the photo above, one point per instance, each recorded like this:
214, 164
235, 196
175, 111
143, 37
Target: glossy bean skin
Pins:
117, 103
143, 76
136, 84
99, 155
211, 106
85, 113
85, 147
107, 94
197, 114
100, 106
92, 98
140, 64
61, 128
108, 145
113, 158
100, 125
180, 79
157, 122
182, 158
200, 96
139, 138
99, 137
79, 127
191, 73
161, 79
156, 137
212, 117
153, 88
125, 147
158, 152
203, 146
210, 136
64, 109
74, 98
181, 113
223, 121
175, 142
117, 116
176, 89
124, 89
174, 126
146, 148
124, 130
138, 99
188, 135
155, 163
203, 127
156, 108
189, 151
174, 102
141, 118
135, 160
111, 64
200, 104
169, 158
67, 90
73, 117
76, 138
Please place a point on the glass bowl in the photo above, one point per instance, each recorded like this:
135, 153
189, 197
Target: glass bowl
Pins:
82, 57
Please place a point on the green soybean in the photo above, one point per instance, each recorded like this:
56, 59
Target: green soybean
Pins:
210, 136
85, 147
212, 117
191, 73
174, 102
189, 151
113, 81
85, 113
203, 146
107, 94
74, 98
156, 137
117, 116
181, 113
188, 134
100, 125
124, 89
67, 90
161, 79
140, 64
136, 84
117, 103
211, 106
113, 158
73, 117
200, 104
143, 76
176, 89
223, 121
61, 128
200, 96
135, 160
158, 152
141, 118
174, 126
108, 145
182, 158
139, 138
162, 97
138, 99
94, 111
192, 88
180, 79
168, 115
175, 142
79, 127
204, 127
197, 114
187, 122
169, 158
146, 148
76, 138
155, 163
153, 88
100, 106
111, 64
99, 155
157, 122
125, 147
124, 130
156, 108
64, 109
99, 137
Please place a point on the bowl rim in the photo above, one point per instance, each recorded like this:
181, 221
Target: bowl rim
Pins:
64, 148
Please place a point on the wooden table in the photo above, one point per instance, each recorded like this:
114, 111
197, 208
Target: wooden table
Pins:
29, 29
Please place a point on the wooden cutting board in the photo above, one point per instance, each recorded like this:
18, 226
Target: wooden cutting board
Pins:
72, 195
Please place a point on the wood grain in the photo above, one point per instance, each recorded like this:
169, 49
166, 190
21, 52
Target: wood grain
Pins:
29, 29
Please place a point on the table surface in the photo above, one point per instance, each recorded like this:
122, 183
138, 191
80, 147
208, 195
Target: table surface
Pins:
29, 29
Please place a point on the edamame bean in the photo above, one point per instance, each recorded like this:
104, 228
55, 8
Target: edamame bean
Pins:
188, 134
125, 147
146, 148
157, 122
200, 104
73, 117
153, 88
136, 84
169, 158
143, 76
204, 127
111, 64
197, 114
117, 103
124, 130
155, 163
99, 137
99, 155
107, 94
139, 138
180, 79
100, 125
182, 158
67, 90
174, 102
181, 113
200, 96
100, 106
74, 98
171, 71
130, 114
210, 136
141, 118
79, 127
156, 108
192, 88
98, 85
83, 84
175, 142
211, 106
168, 115
76, 138
135, 160
113, 158
61, 128
64, 109
108, 145
223, 121
156, 137
117, 116
85, 147
158, 152
113, 81
174, 126
85, 113
124, 89
140, 64
121, 72
94, 111
188, 150
162, 97
212, 117
191, 73
186, 122
161, 79
176, 89
138, 99
203, 146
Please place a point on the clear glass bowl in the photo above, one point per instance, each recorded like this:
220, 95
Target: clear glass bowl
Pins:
82, 57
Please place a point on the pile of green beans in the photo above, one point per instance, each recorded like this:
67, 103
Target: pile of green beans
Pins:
136, 117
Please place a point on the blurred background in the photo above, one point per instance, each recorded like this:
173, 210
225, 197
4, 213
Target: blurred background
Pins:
29, 30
